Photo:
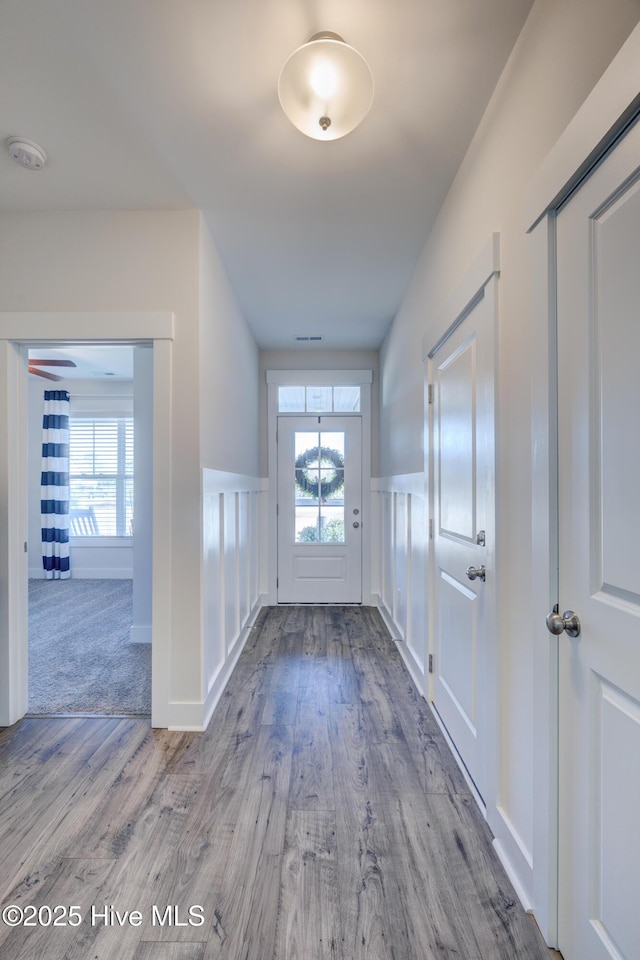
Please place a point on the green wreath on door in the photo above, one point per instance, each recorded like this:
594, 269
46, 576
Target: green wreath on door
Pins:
307, 472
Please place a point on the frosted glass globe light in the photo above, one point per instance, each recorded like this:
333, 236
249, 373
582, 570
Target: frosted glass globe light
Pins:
324, 79
325, 87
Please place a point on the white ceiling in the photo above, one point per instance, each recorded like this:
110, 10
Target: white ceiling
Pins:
92, 362
168, 104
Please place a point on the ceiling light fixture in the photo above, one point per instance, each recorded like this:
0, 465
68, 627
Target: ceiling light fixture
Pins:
326, 87
27, 153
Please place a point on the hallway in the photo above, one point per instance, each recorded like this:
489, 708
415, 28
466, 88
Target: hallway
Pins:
321, 815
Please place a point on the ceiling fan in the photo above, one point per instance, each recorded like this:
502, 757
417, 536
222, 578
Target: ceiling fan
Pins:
34, 364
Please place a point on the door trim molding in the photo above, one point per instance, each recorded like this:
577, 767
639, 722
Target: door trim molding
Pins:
479, 281
464, 296
603, 117
299, 377
17, 332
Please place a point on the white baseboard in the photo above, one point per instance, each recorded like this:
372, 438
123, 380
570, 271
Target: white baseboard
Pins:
195, 716
456, 756
513, 876
88, 573
389, 622
514, 856
101, 573
411, 663
140, 634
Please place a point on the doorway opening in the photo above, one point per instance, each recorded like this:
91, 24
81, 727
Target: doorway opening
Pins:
319, 426
90, 628
319, 509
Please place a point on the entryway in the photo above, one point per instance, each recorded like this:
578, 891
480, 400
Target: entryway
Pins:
319, 509
20, 330
320, 527
90, 630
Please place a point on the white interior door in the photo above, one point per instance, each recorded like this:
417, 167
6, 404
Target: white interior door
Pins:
319, 509
598, 249
464, 512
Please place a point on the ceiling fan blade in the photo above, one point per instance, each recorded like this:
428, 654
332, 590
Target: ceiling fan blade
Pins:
51, 363
43, 373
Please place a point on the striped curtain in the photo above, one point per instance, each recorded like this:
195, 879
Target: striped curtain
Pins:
54, 493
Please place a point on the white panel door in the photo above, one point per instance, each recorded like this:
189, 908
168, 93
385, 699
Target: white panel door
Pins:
319, 510
464, 484
598, 249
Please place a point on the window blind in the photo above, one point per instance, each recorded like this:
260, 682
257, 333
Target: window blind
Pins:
101, 476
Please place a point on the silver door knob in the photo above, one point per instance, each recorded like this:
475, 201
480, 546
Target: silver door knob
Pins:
356, 524
477, 573
569, 622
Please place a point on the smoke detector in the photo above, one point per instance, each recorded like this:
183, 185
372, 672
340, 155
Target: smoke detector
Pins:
27, 153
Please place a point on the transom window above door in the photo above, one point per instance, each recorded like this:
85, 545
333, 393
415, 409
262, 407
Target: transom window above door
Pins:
319, 399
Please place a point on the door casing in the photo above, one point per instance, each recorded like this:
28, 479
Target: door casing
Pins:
603, 117
17, 331
299, 377
347, 554
480, 281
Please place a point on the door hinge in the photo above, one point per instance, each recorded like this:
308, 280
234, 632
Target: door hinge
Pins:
277, 509
277, 582
430, 663
431, 528
430, 393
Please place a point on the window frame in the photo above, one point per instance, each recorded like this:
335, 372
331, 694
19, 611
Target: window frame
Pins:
121, 477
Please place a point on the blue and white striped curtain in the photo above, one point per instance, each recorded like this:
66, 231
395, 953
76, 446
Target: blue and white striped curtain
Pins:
54, 493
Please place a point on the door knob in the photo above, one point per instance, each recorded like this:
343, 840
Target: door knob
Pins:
569, 622
356, 524
478, 573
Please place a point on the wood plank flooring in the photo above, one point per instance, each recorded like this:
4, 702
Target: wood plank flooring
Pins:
320, 817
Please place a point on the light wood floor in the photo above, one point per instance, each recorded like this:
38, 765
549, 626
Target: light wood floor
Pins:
320, 816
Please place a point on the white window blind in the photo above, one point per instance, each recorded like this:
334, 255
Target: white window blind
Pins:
318, 399
101, 476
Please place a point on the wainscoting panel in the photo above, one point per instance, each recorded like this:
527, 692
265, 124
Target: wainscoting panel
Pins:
399, 574
232, 508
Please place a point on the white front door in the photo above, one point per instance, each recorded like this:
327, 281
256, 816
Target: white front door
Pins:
319, 509
598, 249
464, 523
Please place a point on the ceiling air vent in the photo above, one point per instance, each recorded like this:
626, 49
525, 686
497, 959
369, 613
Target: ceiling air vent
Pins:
307, 339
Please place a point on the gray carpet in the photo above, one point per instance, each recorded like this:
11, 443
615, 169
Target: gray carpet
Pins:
80, 658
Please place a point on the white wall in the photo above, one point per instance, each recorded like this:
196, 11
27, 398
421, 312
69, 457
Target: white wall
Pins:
228, 363
564, 48
310, 358
148, 261
232, 498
